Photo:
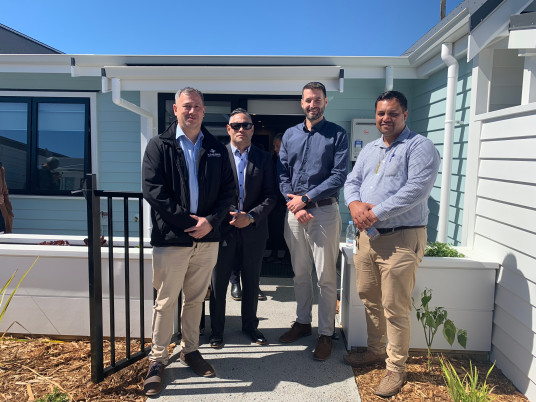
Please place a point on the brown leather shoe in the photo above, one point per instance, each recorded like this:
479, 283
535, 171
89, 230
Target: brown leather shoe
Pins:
323, 348
199, 365
153, 380
362, 359
295, 332
391, 383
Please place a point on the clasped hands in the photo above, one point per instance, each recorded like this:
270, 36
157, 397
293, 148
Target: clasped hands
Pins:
201, 229
296, 205
362, 214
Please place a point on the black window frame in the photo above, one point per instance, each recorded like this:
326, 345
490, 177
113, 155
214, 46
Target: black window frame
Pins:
31, 185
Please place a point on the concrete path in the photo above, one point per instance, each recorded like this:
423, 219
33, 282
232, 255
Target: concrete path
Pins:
275, 372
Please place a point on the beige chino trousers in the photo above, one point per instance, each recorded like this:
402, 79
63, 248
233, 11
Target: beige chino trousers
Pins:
176, 268
385, 273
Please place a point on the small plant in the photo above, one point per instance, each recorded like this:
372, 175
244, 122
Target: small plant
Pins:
431, 320
55, 396
438, 249
4, 290
466, 388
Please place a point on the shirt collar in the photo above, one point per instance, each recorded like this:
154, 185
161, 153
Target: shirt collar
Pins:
234, 149
403, 136
179, 133
317, 127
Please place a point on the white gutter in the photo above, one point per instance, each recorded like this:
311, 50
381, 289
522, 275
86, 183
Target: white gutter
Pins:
389, 78
452, 81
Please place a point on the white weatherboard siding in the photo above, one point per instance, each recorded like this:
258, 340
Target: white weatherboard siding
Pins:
505, 231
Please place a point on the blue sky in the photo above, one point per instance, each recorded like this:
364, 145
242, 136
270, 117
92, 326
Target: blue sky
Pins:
216, 27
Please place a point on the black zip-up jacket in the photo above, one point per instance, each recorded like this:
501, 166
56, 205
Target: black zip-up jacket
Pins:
165, 187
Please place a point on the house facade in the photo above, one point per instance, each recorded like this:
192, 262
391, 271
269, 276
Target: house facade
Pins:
471, 87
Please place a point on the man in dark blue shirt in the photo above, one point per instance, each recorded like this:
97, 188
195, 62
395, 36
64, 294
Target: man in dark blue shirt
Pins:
312, 170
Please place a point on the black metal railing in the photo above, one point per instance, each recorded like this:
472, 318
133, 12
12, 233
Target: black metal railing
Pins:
93, 198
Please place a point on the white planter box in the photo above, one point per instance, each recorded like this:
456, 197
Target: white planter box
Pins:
463, 286
53, 299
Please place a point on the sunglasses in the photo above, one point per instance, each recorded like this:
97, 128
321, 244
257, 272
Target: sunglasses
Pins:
245, 126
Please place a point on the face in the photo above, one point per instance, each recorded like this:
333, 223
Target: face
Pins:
241, 137
313, 103
390, 118
190, 111
277, 146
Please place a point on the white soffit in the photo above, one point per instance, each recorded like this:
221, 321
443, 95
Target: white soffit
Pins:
495, 25
224, 79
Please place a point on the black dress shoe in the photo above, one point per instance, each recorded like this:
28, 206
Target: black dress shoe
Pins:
261, 295
256, 336
215, 341
236, 292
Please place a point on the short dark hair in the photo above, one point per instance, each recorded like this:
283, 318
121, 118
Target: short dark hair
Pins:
278, 136
52, 162
399, 96
315, 85
188, 91
240, 111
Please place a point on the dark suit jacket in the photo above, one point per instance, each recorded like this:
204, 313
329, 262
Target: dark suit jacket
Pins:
260, 192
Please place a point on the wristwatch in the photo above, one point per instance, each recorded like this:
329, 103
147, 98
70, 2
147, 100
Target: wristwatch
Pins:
251, 219
305, 199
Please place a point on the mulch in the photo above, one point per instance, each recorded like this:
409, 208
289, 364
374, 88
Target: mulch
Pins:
32, 368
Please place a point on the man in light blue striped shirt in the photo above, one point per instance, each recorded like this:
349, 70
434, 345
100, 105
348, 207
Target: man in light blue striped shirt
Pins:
388, 189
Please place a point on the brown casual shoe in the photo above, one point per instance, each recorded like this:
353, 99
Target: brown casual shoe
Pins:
391, 383
362, 359
199, 365
323, 348
153, 380
295, 332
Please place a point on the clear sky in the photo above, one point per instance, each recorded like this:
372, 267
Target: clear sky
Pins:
218, 27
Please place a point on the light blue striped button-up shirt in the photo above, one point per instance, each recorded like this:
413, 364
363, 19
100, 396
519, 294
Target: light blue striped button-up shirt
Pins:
397, 179
191, 152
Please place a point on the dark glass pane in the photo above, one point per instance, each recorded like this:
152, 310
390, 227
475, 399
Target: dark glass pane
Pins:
13, 142
60, 146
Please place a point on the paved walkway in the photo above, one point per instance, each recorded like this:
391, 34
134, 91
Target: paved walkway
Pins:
275, 372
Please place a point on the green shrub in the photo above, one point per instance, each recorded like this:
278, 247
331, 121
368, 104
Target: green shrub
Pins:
438, 249
56, 396
431, 320
466, 388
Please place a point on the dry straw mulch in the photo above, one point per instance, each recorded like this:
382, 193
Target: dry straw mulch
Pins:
31, 368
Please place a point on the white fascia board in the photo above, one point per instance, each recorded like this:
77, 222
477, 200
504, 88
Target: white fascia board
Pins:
436, 63
453, 31
522, 39
494, 26
405, 72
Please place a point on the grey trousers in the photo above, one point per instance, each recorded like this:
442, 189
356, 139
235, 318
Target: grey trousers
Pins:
315, 243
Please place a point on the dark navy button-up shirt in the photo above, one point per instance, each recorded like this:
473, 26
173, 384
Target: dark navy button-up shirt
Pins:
313, 162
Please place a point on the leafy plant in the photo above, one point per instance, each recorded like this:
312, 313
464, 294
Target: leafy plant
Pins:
466, 388
4, 290
431, 320
438, 249
56, 396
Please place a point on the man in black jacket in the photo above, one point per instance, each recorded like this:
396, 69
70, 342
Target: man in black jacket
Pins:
188, 182
245, 230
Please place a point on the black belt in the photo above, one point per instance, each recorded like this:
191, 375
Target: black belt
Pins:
391, 230
321, 203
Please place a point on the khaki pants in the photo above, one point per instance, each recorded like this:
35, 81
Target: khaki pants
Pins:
176, 268
315, 243
385, 272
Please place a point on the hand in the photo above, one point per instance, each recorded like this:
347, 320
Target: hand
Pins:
240, 219
302, 216
201, 229
362, 214
295, 204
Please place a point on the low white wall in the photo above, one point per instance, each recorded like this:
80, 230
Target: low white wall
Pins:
53, 299
463, 286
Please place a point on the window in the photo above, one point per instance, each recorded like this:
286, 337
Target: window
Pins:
44, 144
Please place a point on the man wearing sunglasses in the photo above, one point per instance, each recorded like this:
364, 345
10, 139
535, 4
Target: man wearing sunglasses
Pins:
312, 168
244, 231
